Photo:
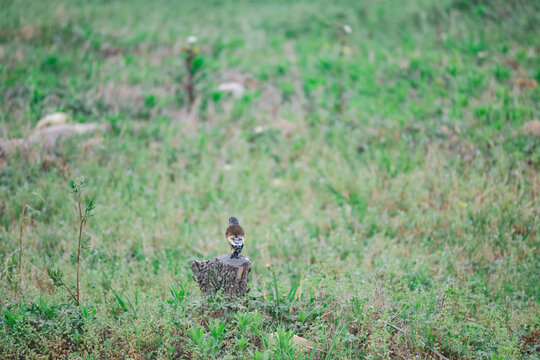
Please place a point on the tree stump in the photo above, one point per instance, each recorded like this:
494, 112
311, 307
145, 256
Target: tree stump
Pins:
222, 273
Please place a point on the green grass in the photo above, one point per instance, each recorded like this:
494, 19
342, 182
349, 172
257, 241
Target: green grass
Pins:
382, 175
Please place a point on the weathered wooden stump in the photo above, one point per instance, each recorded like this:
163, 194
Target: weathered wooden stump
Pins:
222, 273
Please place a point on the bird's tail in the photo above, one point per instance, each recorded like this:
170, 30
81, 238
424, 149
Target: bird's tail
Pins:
236, 251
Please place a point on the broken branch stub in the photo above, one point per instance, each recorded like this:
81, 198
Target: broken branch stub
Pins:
223, 273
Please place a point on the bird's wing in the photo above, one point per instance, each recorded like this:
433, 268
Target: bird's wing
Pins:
236, 240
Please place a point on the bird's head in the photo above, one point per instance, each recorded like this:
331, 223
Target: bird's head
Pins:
233, 221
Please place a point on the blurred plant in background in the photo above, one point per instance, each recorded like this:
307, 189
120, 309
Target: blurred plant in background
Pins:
192, 65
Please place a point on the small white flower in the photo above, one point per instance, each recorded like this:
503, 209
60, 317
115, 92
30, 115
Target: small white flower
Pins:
347, 29
191, 39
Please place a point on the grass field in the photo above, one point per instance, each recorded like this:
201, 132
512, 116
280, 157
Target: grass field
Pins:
383, 176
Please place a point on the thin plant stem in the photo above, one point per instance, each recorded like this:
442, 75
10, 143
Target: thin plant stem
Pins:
71, 293
81, 221
21, 224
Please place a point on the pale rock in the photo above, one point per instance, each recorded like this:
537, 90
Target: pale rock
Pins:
52, 119
234, 88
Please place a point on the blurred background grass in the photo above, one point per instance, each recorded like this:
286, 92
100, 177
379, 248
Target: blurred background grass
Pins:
387, 167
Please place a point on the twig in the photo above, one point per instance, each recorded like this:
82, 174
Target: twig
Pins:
395, 327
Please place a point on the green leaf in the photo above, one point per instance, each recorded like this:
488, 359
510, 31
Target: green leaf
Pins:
56, 276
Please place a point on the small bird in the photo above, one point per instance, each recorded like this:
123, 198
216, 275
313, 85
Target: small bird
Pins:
235, 237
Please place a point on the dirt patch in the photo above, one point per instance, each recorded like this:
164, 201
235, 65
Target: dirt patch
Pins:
531, 128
